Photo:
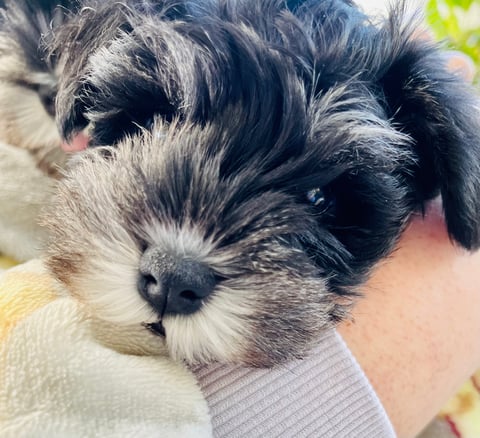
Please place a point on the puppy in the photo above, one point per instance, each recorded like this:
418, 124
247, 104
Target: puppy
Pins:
30, 153
257, 160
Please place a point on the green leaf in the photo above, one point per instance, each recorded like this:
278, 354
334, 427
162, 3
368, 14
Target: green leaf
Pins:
464, 4
445, 18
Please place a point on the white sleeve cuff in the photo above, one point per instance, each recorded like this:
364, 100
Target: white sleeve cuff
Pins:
326, 395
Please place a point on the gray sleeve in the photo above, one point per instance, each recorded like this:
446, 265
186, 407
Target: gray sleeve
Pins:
326, 395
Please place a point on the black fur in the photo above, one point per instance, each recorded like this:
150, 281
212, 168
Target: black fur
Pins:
323, 45
272, 100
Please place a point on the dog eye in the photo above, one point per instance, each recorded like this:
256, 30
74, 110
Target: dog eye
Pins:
48, 101
320, 198
316, 197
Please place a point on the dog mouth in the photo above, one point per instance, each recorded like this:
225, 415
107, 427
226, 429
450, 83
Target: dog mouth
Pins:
156, 328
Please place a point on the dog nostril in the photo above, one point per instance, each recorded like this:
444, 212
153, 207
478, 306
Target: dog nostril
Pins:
149, 289
149, 279
189, 288
189, 295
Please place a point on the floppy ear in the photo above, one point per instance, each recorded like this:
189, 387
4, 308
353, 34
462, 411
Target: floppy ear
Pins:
441, 113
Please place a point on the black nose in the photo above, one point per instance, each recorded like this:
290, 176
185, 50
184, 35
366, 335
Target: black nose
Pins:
172, 285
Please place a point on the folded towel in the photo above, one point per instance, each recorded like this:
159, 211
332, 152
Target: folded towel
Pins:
65, 374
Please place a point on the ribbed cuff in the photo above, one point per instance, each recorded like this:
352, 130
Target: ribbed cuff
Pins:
326, 395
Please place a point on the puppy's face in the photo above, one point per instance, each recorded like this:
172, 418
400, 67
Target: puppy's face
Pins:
260, 161
243, 261
28, 81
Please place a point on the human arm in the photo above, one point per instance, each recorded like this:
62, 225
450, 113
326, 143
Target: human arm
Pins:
415, 332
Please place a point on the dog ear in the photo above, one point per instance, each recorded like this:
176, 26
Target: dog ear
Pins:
441, 113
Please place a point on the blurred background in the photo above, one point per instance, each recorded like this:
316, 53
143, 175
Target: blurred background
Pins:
456, 22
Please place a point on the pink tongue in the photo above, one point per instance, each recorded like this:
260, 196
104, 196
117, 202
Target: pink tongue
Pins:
78, 143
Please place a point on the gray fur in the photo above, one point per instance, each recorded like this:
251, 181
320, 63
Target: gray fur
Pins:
270, 141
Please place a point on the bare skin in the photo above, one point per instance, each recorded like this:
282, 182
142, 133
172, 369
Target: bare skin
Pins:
416, 332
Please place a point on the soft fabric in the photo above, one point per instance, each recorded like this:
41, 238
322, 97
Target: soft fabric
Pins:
6, 262
65, 374
24, 191
326, 395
